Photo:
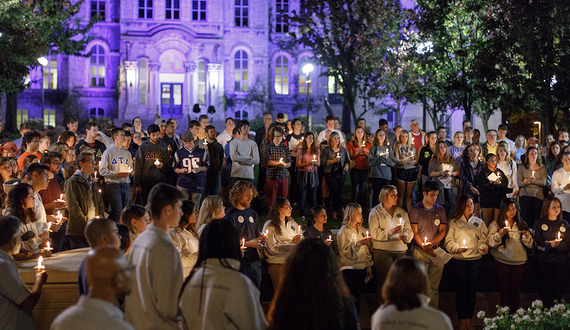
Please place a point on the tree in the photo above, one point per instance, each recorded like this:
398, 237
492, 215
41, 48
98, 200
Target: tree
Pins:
348, 39
31, 29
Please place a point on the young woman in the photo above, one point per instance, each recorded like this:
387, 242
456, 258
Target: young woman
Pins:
277, 159
312, 275
137, 126
185, 237
531, 179
44, 143
554, 150
15, 170
358, 151
5, 175
507, 239
520, 148
468, 171
381, 161
212, 208
390, 232
316, 225
406, 171
69, 138
125, 238
466, 240
294, 143
425, 155
335, 160
444, 168
508, 166
405, 296
308, 159
456, 150
283, 233
136, 218
216, 295
354, 253
549, 233
492, 188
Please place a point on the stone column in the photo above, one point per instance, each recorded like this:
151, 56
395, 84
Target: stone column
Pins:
154, 81
214, 82
189, 97
131, 71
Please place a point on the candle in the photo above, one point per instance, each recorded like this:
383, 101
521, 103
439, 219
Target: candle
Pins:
363, 144
97, 217
299, 228
330, 237
48, 248
425, 240
205, 142
464, 244
95, 174
367, 234
61, 197
314, 158
532, 176
266, 233
302, 138
338, 155
40, 266
559, 239
59, 217
281, 160
243, 243
400, 220
99, 190
507, 224
157, 162
49, 226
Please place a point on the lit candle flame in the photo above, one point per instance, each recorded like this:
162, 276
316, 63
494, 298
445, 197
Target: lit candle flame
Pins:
425, 240
205, 141
330, 237
48, 247
157, 162
559, 236
314, 158
40, 266
281, 160
95, 174
266, 232
532, 176
61, 197
367, 234
48, 227
507, 224
299, 228
464, 243
401, 220
59, 216
243, 242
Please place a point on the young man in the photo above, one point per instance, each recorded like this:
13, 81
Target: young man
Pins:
37, 175
24, 128
429, 223
329, 121
51, 196
216, 154
99, 232
91, 132
16, 300
466, 123
116, 167
245, 220
72, 124
383, 125
416, 135
442, 135
84, 200
277, 161
177, 139
170, 138
161, 123
226, 135
490, 146
204, 121
244, 154
281, 118
227, 166
108, 273
191, 164
32, 142
151, 163
158, 266
9, 149
194, 128
502, 136
468, 134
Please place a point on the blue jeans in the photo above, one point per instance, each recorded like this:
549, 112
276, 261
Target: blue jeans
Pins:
307, 191
119, 195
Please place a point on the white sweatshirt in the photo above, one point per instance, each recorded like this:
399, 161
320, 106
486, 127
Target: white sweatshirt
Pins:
381, 223
473, 232
352, 253
276, 254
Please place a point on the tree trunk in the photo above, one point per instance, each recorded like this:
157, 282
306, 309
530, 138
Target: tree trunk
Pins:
11, 113
347, 111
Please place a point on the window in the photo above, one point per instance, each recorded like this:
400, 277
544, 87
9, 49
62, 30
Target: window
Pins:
145, 8
198, 10
202, 83
392, 118
333, 86
98, 9
96, 112
97, 67
281, 15
172, 9
282, 75
49, 117
143, 81
241, 13
240, 71
240, 114
303, 83
50, 73
22, 117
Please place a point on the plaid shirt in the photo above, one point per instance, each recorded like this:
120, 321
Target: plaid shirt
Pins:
276, 153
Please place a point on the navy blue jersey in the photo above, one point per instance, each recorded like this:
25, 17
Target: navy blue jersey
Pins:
247, 227
189, 159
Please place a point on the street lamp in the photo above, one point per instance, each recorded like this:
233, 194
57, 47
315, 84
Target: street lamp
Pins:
307, 69
43, 62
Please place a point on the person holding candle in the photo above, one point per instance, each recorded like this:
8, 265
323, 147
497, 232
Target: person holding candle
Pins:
355, 258
308, 158
507, 165
492, 184
335, 161
16, 299
245, 220
277, 160
191, 163
390, 232
466, 241
406, 171
312, 275
549, 233
316, 228
116, 167
216, 295
283, 232
531, 179
294, 141
185, 237
212, 208
444, 168
381, 161
468, 170
507, 240
358, 151
429, 223
425, 156
561, 185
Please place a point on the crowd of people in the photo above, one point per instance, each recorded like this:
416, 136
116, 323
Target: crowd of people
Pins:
160, 199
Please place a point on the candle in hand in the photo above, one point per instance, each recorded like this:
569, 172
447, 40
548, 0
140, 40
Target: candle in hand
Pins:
338, 155
464, 245
507, 224
205, 141
281, 160
330, 237
59, 217
425, 240
95, 174
559, 239
61, 197
314, 158
299, 228
243, 243
367, 234
40, 266
48, 247
49, 226
157, 162
532, 176
400, 220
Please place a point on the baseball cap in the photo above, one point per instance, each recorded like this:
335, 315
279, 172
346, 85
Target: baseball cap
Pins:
187, 136
159, 121
10, 145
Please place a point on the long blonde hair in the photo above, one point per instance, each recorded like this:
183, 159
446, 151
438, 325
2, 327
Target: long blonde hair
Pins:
209, 209
349, 211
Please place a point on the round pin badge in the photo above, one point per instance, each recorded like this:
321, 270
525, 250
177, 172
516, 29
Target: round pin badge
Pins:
544, 227
250, 219
241, 219
436, 222
562, 229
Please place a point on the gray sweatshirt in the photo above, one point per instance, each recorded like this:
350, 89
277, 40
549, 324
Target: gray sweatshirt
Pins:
245, 156
513, 252
381, 167
114, 161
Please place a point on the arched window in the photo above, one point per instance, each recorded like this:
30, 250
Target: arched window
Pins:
143, 81
97, 67
201, 83
305, 84
240, 71
282, 75
96, 112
